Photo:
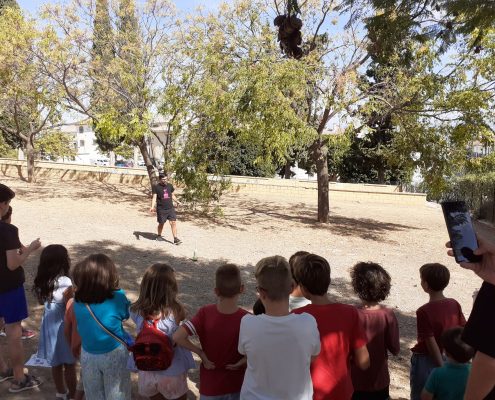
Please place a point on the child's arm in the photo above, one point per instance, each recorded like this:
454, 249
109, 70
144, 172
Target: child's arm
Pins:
434, 350
238, 364
15, 260
181, 337
362, 357
426, 395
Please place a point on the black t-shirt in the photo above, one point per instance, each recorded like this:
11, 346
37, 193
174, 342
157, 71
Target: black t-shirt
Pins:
164, 196
479, 331
9, 240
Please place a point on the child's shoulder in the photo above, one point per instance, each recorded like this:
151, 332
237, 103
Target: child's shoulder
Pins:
435, 306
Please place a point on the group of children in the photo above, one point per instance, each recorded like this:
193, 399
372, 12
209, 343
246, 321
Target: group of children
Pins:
300, 345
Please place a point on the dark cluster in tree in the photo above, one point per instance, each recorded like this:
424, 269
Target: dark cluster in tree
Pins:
289, 31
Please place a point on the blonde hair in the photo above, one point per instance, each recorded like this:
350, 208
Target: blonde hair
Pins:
158, 294
273, 277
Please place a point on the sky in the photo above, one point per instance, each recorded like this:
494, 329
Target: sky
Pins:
186, 5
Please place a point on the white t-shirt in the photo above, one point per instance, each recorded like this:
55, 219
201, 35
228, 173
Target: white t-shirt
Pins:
278, 351
63, 282
297, 302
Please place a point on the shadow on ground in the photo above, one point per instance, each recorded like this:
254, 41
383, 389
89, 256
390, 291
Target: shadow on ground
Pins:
239, 214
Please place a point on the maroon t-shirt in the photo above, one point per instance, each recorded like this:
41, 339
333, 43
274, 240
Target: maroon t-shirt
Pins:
433, 319
382, 333
9, 240
219, 337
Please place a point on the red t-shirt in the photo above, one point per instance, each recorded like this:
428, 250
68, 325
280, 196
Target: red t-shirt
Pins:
341, 333
382, 333
219, 337
434, 318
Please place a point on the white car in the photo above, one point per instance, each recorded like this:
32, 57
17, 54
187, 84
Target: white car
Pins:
102, 162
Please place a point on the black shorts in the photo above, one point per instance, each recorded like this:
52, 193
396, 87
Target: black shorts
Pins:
163, 216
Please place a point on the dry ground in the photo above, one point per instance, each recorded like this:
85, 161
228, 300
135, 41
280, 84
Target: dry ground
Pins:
90, 217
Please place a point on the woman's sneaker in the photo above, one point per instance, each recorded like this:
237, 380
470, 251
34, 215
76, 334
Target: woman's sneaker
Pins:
177, 241
29, 382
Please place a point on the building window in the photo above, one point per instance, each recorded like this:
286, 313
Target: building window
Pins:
81, 129
81, 143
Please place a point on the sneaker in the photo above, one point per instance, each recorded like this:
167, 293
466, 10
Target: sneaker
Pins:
177, 241
28, 334
6, 375
2, 333
160, 239
29, 382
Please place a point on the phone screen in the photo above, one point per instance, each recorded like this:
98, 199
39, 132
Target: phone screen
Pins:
461, 231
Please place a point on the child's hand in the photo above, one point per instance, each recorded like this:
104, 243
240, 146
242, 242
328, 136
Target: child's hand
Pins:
237, 365
35, 245
485, 269
207, 363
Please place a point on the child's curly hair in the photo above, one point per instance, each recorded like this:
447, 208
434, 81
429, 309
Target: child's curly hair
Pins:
370, 281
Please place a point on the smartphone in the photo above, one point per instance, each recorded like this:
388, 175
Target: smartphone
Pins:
461, 231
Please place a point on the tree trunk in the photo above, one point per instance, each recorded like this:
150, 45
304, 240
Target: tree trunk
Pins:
381, 175
30, 160
143, 147
321, 161
287, 171
112, 159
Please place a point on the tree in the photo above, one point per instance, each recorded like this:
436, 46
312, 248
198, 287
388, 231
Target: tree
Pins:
29, 102
54, 145
102, 54
234, 82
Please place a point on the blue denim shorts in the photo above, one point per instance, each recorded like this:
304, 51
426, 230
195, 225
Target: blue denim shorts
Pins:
13, 305
421, 367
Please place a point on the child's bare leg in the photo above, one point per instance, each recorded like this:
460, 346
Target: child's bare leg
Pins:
58, 378
70, 379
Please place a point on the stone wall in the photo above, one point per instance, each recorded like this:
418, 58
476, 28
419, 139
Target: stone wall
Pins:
278, 189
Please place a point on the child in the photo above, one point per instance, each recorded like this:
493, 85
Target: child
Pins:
432, 319
26, 333
296, 298
74, 340
50, 283
372, 285
158, 301
278, 345
341, 332
449, 381
13, 303
103, 358
217, 326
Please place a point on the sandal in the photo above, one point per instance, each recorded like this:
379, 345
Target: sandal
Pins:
30, 382
6, 375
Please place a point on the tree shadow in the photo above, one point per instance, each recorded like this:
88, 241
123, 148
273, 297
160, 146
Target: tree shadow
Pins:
267, 214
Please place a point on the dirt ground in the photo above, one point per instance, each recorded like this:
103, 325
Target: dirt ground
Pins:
90, 217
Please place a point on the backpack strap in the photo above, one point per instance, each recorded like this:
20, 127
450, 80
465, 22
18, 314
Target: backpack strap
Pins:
108, 332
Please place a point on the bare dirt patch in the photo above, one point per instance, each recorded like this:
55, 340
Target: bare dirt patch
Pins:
90, 217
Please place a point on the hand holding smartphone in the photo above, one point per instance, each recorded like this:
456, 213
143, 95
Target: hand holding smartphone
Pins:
461, 231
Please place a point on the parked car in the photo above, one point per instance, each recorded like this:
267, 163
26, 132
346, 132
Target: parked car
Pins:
102, 162
124, 164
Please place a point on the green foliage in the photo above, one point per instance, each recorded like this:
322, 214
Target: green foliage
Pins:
122, 129
55, 145
6, 150
477, 190
8, 3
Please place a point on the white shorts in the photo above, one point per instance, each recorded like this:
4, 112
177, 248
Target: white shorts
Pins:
171, 387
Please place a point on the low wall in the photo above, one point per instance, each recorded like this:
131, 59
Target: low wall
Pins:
278, 189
